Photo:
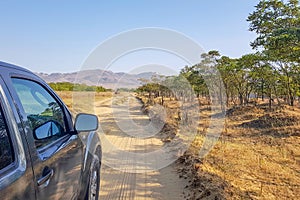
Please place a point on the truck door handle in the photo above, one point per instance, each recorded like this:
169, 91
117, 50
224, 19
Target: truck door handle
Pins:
47, 174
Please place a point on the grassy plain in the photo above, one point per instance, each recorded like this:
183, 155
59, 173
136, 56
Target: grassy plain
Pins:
82, 101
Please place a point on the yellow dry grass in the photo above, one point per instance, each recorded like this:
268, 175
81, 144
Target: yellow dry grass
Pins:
82, 101
256, 157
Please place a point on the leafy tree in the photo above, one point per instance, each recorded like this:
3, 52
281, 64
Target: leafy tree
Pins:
277, 24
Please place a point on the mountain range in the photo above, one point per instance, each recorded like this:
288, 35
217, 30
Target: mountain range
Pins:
107, 79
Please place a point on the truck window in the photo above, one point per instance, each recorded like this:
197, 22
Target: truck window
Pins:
6, 150
44, 113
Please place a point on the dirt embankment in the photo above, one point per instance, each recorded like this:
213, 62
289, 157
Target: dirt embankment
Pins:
167, 116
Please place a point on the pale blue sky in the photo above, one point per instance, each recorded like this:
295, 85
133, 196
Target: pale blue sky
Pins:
56, 36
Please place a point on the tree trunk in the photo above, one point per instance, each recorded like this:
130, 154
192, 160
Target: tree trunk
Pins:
276, 95
262, 90
241, 99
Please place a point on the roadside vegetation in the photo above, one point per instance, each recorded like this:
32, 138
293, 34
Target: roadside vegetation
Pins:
258, 153
256, 157
66, 86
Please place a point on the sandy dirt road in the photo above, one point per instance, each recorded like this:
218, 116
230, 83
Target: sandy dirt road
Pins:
124, 176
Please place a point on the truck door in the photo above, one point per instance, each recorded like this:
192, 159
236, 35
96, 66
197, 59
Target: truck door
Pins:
16, 175
56, 153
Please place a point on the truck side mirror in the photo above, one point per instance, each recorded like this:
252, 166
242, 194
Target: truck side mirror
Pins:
86, 122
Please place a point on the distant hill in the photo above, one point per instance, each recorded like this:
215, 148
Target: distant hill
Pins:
107, 79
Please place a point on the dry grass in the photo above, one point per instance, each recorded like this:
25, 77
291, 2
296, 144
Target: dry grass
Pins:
83, 101
256, 157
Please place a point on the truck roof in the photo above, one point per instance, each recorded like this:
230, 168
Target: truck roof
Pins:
11, 66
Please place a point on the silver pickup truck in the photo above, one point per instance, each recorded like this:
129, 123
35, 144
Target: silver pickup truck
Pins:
43, 153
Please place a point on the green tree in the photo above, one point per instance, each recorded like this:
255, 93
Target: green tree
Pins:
277, 24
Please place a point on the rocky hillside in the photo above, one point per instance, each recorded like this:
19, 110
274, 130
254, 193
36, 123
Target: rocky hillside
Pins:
107, 79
